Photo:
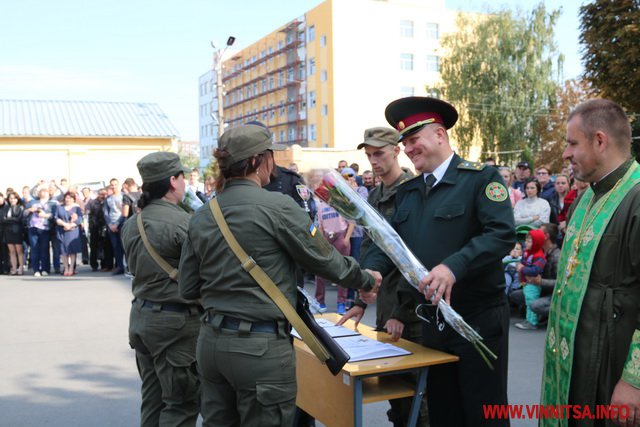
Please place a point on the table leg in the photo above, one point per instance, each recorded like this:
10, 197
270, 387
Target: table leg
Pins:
421, 383
357, 402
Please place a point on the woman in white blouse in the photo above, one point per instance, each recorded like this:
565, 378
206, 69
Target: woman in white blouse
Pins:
533, 210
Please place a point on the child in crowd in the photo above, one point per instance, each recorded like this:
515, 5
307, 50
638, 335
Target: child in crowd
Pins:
532, 264
510, 263
338, 232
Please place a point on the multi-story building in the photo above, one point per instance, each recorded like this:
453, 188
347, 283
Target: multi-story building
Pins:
321, 79
208, 121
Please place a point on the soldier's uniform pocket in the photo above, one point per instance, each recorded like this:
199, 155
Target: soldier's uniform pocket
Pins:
277, 402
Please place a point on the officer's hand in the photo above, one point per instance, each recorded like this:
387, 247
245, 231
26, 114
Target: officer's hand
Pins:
394, 328
438, 283
627, 398
356, 312
368, 297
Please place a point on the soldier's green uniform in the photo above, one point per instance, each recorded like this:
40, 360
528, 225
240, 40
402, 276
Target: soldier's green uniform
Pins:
245, 352
163, 326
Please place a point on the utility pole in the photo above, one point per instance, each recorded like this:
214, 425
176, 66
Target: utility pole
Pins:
217, 66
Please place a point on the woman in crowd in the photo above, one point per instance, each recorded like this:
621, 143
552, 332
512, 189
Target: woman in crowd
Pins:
245, 353
42, 214
515, 195
69, 219
4, 252
532, 211
14, 231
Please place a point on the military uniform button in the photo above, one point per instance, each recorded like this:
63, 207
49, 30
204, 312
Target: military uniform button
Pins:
559, 292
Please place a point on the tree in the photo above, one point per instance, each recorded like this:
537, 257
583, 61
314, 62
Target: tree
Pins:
611, 56
553, 128
498, 73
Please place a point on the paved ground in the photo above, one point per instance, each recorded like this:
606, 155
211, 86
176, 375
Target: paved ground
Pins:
65, 359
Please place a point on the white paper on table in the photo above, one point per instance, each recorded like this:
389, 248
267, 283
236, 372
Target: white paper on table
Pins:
363, 348
331, 328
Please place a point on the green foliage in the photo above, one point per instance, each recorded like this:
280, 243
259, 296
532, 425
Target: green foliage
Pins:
499, 75
212, 169
611, 56
553, 128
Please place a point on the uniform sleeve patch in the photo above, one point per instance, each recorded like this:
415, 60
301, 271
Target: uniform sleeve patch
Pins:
496, 192
313, 230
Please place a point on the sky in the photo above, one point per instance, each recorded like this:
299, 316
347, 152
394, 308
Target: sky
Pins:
150, 51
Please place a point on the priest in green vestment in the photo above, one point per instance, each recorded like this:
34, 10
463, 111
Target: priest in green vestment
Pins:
592, 348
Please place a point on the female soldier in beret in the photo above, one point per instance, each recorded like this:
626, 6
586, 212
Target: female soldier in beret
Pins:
245, 352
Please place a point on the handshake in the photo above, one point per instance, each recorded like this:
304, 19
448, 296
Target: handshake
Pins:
369, 297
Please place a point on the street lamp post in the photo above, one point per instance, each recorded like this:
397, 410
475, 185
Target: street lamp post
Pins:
217, 64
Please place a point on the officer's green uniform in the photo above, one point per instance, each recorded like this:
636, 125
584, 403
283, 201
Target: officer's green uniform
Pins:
466, 223
245, 352
163, 326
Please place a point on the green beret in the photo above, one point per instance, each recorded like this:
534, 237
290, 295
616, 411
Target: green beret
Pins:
379, 137
159, 165
243, 142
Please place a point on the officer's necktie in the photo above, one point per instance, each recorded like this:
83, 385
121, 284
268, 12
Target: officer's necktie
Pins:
428, 184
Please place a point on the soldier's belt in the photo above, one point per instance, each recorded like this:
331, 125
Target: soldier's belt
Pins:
220, 321
175, 307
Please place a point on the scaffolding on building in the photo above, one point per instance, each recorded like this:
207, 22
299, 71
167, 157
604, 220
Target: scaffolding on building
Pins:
292, 106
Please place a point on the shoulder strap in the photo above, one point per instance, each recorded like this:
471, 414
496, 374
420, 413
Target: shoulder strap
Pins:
265, 282
172, 272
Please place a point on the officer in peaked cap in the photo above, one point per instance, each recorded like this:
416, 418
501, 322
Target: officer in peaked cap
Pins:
245, 352
163, 326
456, 218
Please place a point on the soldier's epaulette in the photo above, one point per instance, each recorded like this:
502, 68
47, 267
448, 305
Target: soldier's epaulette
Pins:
471, 166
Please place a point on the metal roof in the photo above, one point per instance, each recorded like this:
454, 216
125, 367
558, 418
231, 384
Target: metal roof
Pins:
83, 119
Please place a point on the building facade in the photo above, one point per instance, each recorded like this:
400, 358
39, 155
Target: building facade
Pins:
81, 141
321, 79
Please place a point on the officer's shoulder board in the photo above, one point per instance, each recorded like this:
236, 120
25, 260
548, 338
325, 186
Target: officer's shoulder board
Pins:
471, 166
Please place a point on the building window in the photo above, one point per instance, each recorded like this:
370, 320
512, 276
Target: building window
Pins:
301, 71
325, 109
264, 85
281, 136
312, 66
280, 78
272, 112
406, 91
291, 74
311, 34
433, 32
406, 29
271, 82
323, 41
292, 134
289, 38
312, 99
433, 63
282, 108
406, 61
323, 75
255, 89
302, 133
312, 133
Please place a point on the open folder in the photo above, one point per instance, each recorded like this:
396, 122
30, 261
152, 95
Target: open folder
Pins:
357, 346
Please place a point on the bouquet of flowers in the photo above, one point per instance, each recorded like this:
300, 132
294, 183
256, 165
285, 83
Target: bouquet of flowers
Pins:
339, 195
191, 202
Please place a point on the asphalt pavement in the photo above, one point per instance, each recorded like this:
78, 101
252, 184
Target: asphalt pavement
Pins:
65, 360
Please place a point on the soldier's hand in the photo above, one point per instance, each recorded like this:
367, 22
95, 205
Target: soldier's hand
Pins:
394, 328
356, 312
438, 284
377, 277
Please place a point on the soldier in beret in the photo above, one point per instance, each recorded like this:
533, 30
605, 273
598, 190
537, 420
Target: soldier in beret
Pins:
457, 219
245, 352
163, 326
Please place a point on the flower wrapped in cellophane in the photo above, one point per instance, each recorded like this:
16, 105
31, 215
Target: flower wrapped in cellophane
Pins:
339, 195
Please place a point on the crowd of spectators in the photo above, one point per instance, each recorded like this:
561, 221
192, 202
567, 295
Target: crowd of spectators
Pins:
44, 228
